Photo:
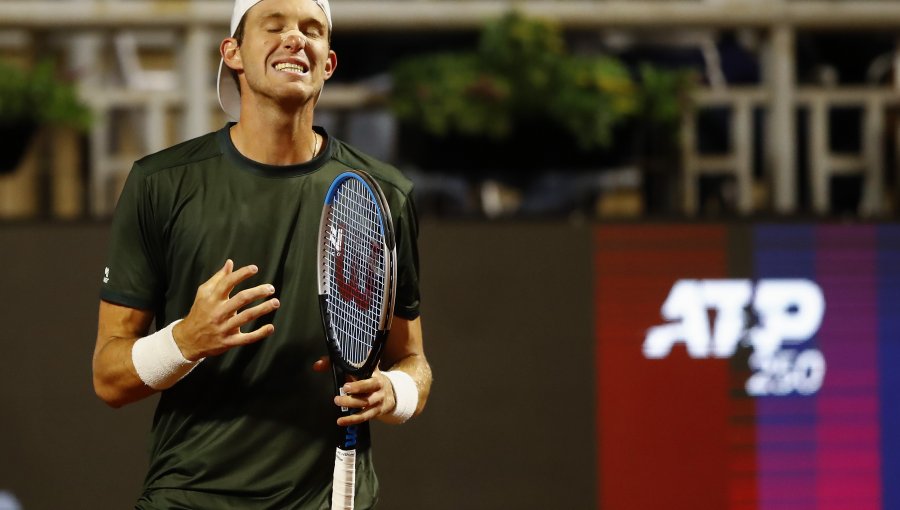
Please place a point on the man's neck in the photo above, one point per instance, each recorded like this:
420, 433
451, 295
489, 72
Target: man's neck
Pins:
276, 138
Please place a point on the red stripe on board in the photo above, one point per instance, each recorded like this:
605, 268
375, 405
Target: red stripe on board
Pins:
665, 426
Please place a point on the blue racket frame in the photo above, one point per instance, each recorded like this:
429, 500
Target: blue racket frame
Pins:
385, 222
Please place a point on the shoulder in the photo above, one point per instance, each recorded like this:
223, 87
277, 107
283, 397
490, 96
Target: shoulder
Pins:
386, 174
185, 153
150, 178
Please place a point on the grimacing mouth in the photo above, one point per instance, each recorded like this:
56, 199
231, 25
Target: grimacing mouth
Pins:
292, 67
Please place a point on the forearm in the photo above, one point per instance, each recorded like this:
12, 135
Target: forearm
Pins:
156, 360
116, 381
404, 352
417, 367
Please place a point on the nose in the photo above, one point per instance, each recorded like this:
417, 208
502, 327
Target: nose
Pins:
293, 40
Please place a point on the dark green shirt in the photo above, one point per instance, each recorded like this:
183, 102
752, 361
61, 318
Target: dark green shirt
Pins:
253, 427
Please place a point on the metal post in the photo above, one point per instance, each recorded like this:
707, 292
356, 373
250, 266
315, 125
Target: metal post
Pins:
782, 124
819, 151
741, 147
689, 162
197, 74
873, 175
100, 166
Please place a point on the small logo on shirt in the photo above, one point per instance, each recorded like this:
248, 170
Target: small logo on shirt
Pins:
106, 275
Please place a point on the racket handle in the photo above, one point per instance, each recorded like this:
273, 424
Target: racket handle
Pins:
350, 435
344, 483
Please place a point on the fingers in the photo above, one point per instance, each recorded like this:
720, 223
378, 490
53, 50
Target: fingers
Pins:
255, 335
369, 406
214, 323
364, 386
357, 418
245, 297
226, 279
369, 395
230, 280
227, 268
251, 314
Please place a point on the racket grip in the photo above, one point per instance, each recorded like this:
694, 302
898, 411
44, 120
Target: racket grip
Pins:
344, 483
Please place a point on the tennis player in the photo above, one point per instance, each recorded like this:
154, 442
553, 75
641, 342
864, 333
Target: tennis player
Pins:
214, 240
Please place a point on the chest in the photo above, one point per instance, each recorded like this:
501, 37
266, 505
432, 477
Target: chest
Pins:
272, 223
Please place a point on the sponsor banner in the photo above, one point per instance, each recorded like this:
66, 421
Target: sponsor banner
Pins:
744, 367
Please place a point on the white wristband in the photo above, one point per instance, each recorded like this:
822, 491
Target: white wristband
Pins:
406, 396
158, 360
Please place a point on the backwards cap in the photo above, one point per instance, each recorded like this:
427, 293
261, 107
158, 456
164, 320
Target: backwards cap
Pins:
229, 93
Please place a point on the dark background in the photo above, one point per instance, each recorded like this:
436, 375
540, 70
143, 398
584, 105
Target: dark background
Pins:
508, 331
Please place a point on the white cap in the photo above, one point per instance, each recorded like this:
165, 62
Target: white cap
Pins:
229, 93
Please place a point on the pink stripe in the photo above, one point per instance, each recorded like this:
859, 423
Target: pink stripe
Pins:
861, 378
848, 431
849, 461
839, 355
862, 407
867, 434
849, 489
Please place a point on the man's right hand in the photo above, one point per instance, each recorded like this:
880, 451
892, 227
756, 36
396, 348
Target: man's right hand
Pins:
213, 325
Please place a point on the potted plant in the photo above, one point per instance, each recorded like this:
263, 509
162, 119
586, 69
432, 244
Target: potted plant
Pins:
30, 99
522, 103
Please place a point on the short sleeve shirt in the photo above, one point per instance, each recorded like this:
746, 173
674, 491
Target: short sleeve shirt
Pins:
253, 427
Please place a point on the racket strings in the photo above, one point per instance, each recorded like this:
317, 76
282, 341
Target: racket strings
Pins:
356, 265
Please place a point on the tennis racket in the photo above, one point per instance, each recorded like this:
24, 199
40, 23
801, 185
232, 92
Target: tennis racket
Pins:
357, 279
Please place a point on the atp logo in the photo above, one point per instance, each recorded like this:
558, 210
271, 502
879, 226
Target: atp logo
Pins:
774, 317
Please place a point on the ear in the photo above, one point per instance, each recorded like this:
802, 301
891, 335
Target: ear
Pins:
330, 64
231, 54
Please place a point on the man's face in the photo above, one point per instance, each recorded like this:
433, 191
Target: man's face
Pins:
285, 53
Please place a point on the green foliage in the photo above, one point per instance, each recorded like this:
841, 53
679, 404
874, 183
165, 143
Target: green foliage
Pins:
663, 94
525, 54
450, 92
38, 97
593, 95
522, 72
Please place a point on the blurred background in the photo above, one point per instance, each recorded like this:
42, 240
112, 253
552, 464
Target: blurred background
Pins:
682, 213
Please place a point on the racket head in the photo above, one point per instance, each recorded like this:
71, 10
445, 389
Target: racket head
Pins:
356, 272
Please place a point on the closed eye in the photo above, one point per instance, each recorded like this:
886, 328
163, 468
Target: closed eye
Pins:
314, 28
